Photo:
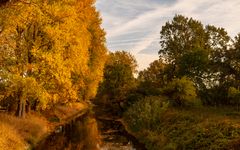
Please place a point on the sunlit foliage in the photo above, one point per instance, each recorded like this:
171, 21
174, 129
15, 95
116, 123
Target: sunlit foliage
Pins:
50, 51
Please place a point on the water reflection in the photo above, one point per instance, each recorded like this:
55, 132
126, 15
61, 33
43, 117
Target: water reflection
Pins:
87, 133
114, 136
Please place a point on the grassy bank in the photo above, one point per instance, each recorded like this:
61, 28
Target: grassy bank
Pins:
22, 133
192, 128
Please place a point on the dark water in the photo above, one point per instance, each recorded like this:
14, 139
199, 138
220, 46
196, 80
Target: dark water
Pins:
115, 137
79, 134
89, 133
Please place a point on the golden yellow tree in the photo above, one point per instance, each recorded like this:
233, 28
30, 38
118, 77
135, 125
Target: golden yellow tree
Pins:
51, 51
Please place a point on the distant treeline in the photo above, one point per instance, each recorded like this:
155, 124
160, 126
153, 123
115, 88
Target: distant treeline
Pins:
197, 64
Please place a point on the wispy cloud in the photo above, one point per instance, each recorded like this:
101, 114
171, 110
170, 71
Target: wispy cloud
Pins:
134, 25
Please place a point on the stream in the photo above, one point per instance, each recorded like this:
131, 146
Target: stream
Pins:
115, 137
90, 133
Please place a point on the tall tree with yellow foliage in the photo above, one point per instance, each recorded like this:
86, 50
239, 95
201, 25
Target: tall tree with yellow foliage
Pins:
50, 51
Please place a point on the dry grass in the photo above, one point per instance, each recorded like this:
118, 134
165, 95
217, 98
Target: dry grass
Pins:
27, 130
10, 139
20, 133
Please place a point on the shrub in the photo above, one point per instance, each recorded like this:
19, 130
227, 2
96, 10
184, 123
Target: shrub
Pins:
181, 92
132, 99
234, 95
146, 113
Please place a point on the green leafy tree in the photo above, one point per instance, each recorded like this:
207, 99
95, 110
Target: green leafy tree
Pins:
152, 78
234, 96
184, 49
118, 79
203, 54
154, 73
218, 77
181, 92
180, 36
193, 63
232, 69
218, 42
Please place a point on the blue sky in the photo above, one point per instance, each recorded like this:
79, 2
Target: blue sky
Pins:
134, 25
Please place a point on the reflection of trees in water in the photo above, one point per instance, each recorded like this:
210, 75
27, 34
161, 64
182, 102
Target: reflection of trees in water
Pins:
83, 135
2, 2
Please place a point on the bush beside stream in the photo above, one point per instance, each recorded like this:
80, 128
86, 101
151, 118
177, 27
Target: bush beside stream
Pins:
162, 127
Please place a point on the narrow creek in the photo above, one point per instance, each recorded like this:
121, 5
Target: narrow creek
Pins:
115, 137
90, 133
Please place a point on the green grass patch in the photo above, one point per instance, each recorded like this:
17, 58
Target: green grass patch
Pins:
191, 128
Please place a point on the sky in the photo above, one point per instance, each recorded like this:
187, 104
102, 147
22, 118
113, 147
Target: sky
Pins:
135, 25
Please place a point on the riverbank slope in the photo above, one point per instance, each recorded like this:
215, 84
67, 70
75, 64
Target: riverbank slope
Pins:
23, 133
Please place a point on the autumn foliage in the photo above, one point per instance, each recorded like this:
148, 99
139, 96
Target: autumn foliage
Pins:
50, 52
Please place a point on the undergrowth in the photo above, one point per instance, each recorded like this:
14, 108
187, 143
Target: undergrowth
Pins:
187, 128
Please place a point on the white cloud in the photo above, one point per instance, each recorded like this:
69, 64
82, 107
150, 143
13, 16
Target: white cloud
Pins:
145, 60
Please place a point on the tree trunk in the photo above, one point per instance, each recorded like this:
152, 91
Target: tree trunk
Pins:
21, 107
34, 105
28, 108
